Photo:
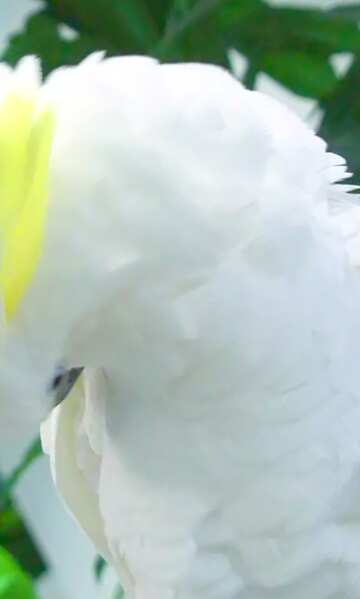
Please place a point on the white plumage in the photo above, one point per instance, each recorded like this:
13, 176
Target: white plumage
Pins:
202, 265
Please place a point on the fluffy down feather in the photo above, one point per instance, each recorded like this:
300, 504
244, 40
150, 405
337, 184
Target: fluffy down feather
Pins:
202, 262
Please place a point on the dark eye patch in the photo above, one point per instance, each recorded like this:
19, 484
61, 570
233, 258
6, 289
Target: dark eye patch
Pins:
62, 382
56, 380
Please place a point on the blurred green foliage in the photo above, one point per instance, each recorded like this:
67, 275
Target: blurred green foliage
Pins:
14, 583
292, 45
14, 536
99, 567
119, 593
33, 452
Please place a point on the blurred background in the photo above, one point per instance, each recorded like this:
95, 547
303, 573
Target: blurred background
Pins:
304, 52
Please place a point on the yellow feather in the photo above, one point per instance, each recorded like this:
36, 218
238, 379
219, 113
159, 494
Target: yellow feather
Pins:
25, 144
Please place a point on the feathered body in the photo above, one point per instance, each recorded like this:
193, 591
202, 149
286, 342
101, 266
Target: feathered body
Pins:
203, 267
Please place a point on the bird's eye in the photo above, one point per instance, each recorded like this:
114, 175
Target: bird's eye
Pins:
56, 380
62, 382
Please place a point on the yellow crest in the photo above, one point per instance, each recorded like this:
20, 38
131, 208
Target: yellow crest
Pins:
26, 136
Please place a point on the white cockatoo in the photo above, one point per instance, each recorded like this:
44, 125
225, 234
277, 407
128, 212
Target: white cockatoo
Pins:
186, 242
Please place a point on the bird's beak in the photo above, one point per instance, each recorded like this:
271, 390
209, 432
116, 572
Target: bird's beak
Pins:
66, 383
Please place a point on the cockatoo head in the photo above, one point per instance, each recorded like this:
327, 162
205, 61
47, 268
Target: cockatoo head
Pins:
26, 137
55, 214
123, 185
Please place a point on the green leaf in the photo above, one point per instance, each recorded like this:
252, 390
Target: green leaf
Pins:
189, 22
292, 45
119, 593
31, 455
14, 583
289, 29
41, 37
212, 49
341, 123
125, 25
99, 567
162, 10
15, 538
308, 75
